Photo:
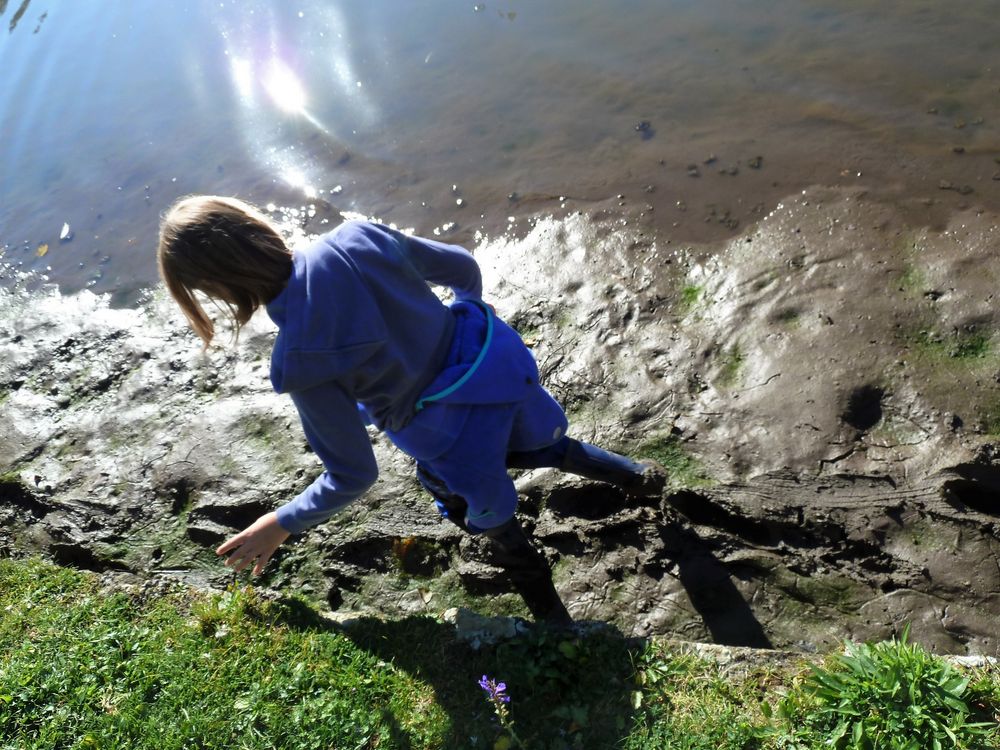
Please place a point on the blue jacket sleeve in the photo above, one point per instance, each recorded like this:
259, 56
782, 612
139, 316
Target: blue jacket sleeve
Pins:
445, 265
336, 432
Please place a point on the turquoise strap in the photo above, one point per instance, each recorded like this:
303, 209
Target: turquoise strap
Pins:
475, 365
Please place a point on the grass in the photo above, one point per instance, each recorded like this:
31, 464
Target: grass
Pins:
84, 668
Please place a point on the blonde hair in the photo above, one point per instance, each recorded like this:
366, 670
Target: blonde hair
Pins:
226, 249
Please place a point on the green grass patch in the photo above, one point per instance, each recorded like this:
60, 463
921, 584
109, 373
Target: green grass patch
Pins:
685, 703
81, 667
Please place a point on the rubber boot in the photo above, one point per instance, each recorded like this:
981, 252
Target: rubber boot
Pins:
600, 465
528, 572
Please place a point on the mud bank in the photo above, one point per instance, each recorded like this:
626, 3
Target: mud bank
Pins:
823, 387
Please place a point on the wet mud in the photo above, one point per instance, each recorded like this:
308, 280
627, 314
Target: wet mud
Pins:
823, 388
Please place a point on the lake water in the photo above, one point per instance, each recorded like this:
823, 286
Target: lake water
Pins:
453, 117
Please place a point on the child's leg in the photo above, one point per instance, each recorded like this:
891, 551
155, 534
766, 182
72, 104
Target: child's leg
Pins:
471, 487
525, 567
580, 458
538, 439
449, 505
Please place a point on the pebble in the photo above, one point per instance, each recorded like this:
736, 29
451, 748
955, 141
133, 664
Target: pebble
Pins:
958, 149
755, 162
642, 126
693, 170
960, 189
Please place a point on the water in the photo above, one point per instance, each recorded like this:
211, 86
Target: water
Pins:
456, 116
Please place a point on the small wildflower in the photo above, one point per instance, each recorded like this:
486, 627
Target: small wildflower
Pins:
496, 693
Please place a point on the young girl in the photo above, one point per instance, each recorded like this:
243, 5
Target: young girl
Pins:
362, 339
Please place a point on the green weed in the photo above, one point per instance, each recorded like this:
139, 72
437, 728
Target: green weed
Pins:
892, 695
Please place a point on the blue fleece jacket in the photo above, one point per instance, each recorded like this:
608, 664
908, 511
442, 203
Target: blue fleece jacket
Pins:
359, 324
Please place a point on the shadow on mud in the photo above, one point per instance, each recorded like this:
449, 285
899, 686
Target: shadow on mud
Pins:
709, 584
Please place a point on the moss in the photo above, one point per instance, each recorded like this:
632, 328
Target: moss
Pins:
961, 345
840, 592
267, 433
988, 416
418, 558
731, 365
12, 476
685, 470
912, 280
440, 593
689, 298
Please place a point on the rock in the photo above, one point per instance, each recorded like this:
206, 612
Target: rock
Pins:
477, 630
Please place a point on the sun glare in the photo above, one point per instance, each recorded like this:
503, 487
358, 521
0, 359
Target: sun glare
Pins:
242, 77
284, 87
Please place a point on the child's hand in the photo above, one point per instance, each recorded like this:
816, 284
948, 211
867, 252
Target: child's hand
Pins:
256, 542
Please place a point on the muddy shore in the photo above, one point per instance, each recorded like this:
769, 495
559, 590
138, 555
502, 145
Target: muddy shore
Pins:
823, 384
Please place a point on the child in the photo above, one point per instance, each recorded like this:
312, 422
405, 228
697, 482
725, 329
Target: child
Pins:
361, 340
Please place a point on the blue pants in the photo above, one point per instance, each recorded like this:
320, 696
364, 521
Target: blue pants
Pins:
495, 416
566, 454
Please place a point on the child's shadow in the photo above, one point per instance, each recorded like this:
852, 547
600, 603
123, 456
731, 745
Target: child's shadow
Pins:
566, 688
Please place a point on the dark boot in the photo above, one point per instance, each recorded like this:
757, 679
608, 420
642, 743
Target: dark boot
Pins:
637, 478
525, 567
528, 572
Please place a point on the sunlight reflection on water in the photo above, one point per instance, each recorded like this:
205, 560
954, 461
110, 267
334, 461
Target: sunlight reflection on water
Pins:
110, 111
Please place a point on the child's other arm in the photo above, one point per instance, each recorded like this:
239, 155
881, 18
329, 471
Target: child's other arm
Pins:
336, 432
437, 262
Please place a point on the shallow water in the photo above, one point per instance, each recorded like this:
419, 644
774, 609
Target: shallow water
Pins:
701, 115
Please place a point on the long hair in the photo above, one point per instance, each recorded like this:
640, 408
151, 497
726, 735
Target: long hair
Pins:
226, 249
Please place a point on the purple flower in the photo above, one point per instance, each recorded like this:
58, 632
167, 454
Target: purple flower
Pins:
496, 691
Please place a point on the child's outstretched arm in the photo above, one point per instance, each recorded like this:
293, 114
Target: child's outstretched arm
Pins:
255, 544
